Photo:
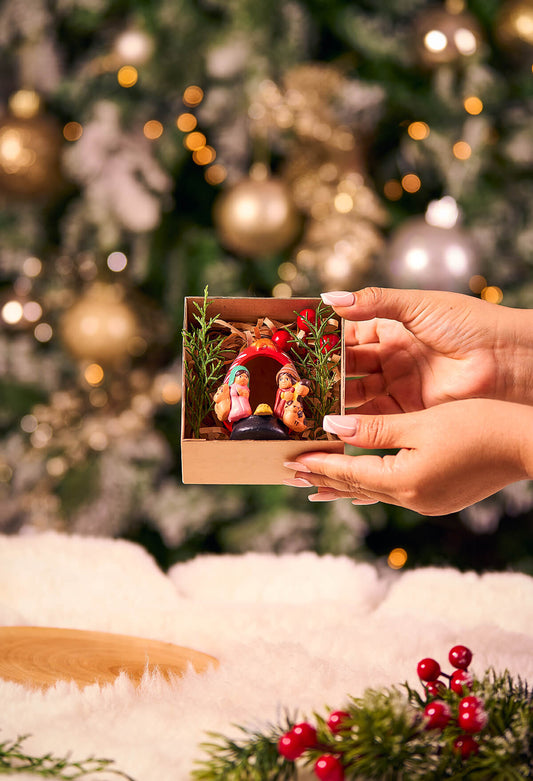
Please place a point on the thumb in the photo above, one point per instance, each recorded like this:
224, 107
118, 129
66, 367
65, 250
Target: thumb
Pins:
372, 431
370, 302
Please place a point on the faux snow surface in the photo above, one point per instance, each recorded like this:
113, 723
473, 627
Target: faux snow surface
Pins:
295, 632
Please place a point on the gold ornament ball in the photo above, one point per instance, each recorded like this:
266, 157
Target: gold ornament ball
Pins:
443, 38
514, 27
257, 218
99, 326
30, 151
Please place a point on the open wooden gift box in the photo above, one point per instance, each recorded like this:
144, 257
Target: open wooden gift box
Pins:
252, 462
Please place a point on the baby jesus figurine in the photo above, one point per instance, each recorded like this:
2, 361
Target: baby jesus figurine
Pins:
288, 404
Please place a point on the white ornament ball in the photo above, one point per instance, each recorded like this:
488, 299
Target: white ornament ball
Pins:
430, 257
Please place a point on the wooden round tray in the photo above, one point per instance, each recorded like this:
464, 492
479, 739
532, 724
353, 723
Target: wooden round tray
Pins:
41, 656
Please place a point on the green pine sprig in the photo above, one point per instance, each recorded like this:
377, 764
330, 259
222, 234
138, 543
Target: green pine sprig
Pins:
313, 361
253, 758
204, 363
384, 738
14, 759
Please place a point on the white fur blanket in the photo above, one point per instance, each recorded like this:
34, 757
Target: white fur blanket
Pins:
297, 631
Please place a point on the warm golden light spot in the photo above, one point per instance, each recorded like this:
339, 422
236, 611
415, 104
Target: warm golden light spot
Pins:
195, 141
186, 122
393, 190
25, 103
32, 266
397, 558
94, 374
215, 174
72, 131
204, 156
43, 332
127, 76
462, 150
171, 392
477, 283
282, 290
473, 105
153, 129
492, 294
411, 183
343, 203
287, 271
418, 130
12, 312
193, 95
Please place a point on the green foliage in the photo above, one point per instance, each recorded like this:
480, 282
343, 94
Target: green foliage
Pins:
14, 759
204, 362
385, 739
313, 360
254, 758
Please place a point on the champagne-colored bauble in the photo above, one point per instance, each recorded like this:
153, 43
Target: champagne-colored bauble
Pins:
100, 326
514, 27
29, 156
442, 37
430, 257
257, 218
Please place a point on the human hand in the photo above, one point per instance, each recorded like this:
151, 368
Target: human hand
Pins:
450, 456
418, 348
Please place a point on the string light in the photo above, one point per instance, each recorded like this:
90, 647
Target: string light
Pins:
411, 183
193, 95
117, 261
204, 156
195, 140
282, 290
94, 374
32, 311
72, 131
186, 122
477, 283
462, 150
25, 103
343, 203
393, 190
32, 267
418, 130
397, 558
215, 174
153, 129
473, 105
127, 76
12, 312
43, 332
171, 392
492, 294
287, 271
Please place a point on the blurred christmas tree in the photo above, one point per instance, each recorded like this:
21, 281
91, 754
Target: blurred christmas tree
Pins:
149, 149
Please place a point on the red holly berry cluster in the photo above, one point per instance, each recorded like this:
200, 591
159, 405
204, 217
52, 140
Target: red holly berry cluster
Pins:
285, 342
471, 715
303, 737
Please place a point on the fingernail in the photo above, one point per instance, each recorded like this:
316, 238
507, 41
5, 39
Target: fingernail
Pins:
323, 496
298, 482
338, 298
343, 425
296, 467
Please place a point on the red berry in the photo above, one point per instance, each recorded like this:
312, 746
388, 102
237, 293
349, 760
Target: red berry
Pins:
306, 733
470, 703
461, 682
338, 721
472, 717
329, 768
428, 670
466, 745
283, 340
437, 715
328, 343
435, 688
302, 324
460, 656
289, 746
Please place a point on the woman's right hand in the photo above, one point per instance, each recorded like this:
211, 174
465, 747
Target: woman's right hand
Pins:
410, 349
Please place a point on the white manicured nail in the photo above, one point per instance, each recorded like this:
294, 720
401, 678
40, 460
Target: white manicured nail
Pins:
338, 298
